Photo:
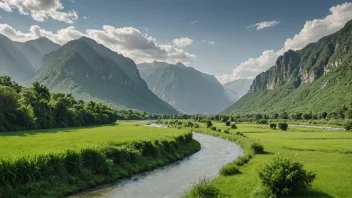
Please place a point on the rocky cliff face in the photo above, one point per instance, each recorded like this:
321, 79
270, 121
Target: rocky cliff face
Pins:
308, 64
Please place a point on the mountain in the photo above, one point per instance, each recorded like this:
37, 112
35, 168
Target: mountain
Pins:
236, 89
185, 88
93, 72
316, 78
20, 60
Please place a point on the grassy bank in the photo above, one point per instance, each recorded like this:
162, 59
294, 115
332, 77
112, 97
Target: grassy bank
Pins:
323, 152
97, 155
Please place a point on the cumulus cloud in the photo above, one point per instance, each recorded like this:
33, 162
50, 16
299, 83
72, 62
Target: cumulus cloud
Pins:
40, 10
312, 31
182, 42
211, 42
128, 41
264, 24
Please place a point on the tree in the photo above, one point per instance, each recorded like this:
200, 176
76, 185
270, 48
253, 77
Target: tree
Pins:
283, 115
228, 123
324, 115
209, 123
283, 126
348, 114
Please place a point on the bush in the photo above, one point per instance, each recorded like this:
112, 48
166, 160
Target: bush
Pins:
233, 126
229, 169
242, 160
204, 189
240, 134
209, 123
196, 125
226, 131
262, 122
285, 177
348, 125
227, 123
213, 128
273, 125
283, 126
257, 148
219, 130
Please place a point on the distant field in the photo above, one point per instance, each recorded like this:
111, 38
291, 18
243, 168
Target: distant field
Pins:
16, 144
326, 153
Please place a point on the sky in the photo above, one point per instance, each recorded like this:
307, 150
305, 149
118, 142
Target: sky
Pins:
230, 39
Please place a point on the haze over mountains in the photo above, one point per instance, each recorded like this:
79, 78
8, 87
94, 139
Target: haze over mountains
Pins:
20, 60
185, 88
315, 79
234, 90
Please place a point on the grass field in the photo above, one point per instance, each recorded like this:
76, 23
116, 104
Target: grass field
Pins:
326, 153
17, 144
58, 162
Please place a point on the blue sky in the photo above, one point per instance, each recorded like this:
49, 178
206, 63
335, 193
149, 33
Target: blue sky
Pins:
224, 22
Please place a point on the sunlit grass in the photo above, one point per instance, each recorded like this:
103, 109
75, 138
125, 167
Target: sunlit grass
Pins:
334, 170
16, 144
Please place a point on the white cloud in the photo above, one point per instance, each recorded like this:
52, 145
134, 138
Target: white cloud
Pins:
211, 42
194, 22
85, 17
40, 10
128, 41
312, 31
264, 24
182, 42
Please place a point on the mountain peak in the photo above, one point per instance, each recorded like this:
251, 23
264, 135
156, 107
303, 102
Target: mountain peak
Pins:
180, 64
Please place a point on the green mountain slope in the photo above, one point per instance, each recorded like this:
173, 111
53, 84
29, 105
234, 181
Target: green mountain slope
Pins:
185, 88
317, 78
83, 68
20, 60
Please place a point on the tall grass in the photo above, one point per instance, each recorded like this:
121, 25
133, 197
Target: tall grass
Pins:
56, 175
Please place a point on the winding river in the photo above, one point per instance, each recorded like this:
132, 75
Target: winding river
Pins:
175, 179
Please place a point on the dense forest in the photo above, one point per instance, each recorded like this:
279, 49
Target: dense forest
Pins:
36, 108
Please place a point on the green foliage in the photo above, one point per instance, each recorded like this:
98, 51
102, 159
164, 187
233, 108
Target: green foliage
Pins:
219, 130
273, 125
72, 170
209, 123
229, 169
257, 148
348, 125
285, 177
282, 125
233, 126
204, 189
227, 131
228, 123
213, 128
262, 121
37, 108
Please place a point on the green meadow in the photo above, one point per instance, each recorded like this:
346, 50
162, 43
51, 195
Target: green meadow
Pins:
326, 153
17, 144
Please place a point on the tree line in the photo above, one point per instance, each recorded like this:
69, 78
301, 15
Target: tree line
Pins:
35, 107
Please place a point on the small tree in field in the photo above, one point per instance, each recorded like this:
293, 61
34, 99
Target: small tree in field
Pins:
285, 177
233, 126
228, 123
348, 125
273, 125
283, 126
209, 123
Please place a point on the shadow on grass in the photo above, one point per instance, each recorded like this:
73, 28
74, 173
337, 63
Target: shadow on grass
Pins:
56, 130
268, 153
315, 193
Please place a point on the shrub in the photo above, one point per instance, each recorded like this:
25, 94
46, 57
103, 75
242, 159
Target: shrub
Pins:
257, 148
196, 125
219, 130
283, 126
233, 126
204, 189
209, 123
262, 122
242, 160
348, 125
273, 125
228, 123
229, 169
213, 128
285, 177
226, 131
240, 134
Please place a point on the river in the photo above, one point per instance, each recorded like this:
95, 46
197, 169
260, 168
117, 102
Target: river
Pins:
173, 180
